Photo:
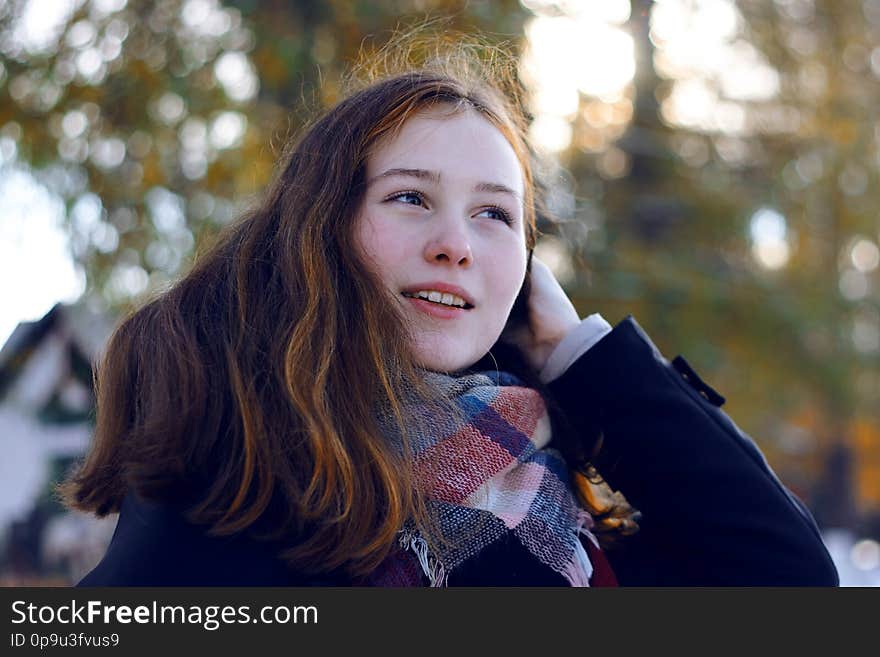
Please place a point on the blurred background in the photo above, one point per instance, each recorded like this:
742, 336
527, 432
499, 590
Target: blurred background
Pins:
713, 170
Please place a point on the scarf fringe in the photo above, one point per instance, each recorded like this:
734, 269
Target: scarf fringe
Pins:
431, 566
580, 569
584, 524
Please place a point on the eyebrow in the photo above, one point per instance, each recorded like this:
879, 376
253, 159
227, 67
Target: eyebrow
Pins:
434, 177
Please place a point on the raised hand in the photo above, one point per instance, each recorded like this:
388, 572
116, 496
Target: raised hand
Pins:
551, 316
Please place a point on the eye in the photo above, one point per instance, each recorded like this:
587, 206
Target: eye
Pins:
496, 213
409, 197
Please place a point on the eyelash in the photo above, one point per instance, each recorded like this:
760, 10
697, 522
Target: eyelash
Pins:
505, 215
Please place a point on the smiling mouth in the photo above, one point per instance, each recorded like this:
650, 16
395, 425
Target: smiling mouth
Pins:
439, 298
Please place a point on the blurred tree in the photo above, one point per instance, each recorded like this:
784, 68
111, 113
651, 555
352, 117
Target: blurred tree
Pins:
156, 121
825, 181
746, 229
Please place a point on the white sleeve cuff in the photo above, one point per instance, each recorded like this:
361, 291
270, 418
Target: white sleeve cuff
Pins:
573, 345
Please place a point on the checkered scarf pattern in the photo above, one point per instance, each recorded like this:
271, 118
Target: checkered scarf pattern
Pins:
488, 474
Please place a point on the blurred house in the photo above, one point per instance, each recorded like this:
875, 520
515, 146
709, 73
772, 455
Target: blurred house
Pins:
46, 409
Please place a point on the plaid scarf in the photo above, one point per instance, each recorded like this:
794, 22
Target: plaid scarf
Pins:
488, 475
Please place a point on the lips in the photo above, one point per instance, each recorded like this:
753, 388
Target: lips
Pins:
437, 310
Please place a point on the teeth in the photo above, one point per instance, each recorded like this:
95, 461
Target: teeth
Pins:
445, 298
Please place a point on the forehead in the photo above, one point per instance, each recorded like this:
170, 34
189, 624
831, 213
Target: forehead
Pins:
459, 144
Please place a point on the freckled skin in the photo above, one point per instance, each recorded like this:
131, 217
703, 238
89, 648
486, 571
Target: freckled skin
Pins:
440, 226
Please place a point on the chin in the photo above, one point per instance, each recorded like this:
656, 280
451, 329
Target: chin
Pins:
446, 366
433, 356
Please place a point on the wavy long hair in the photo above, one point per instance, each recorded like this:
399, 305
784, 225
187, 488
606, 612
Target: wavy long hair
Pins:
246, 393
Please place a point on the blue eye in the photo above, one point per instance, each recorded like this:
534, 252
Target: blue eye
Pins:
410, 198
497, 213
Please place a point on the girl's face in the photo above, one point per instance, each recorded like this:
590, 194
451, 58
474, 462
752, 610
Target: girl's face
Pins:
442, 225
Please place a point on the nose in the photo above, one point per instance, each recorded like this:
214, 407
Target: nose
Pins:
449, 245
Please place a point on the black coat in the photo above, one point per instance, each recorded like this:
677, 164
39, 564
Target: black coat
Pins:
713, 512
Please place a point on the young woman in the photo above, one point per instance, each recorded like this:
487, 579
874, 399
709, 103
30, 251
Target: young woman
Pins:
368, 380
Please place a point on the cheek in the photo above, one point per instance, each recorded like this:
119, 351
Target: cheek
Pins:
380, 245
508, 268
